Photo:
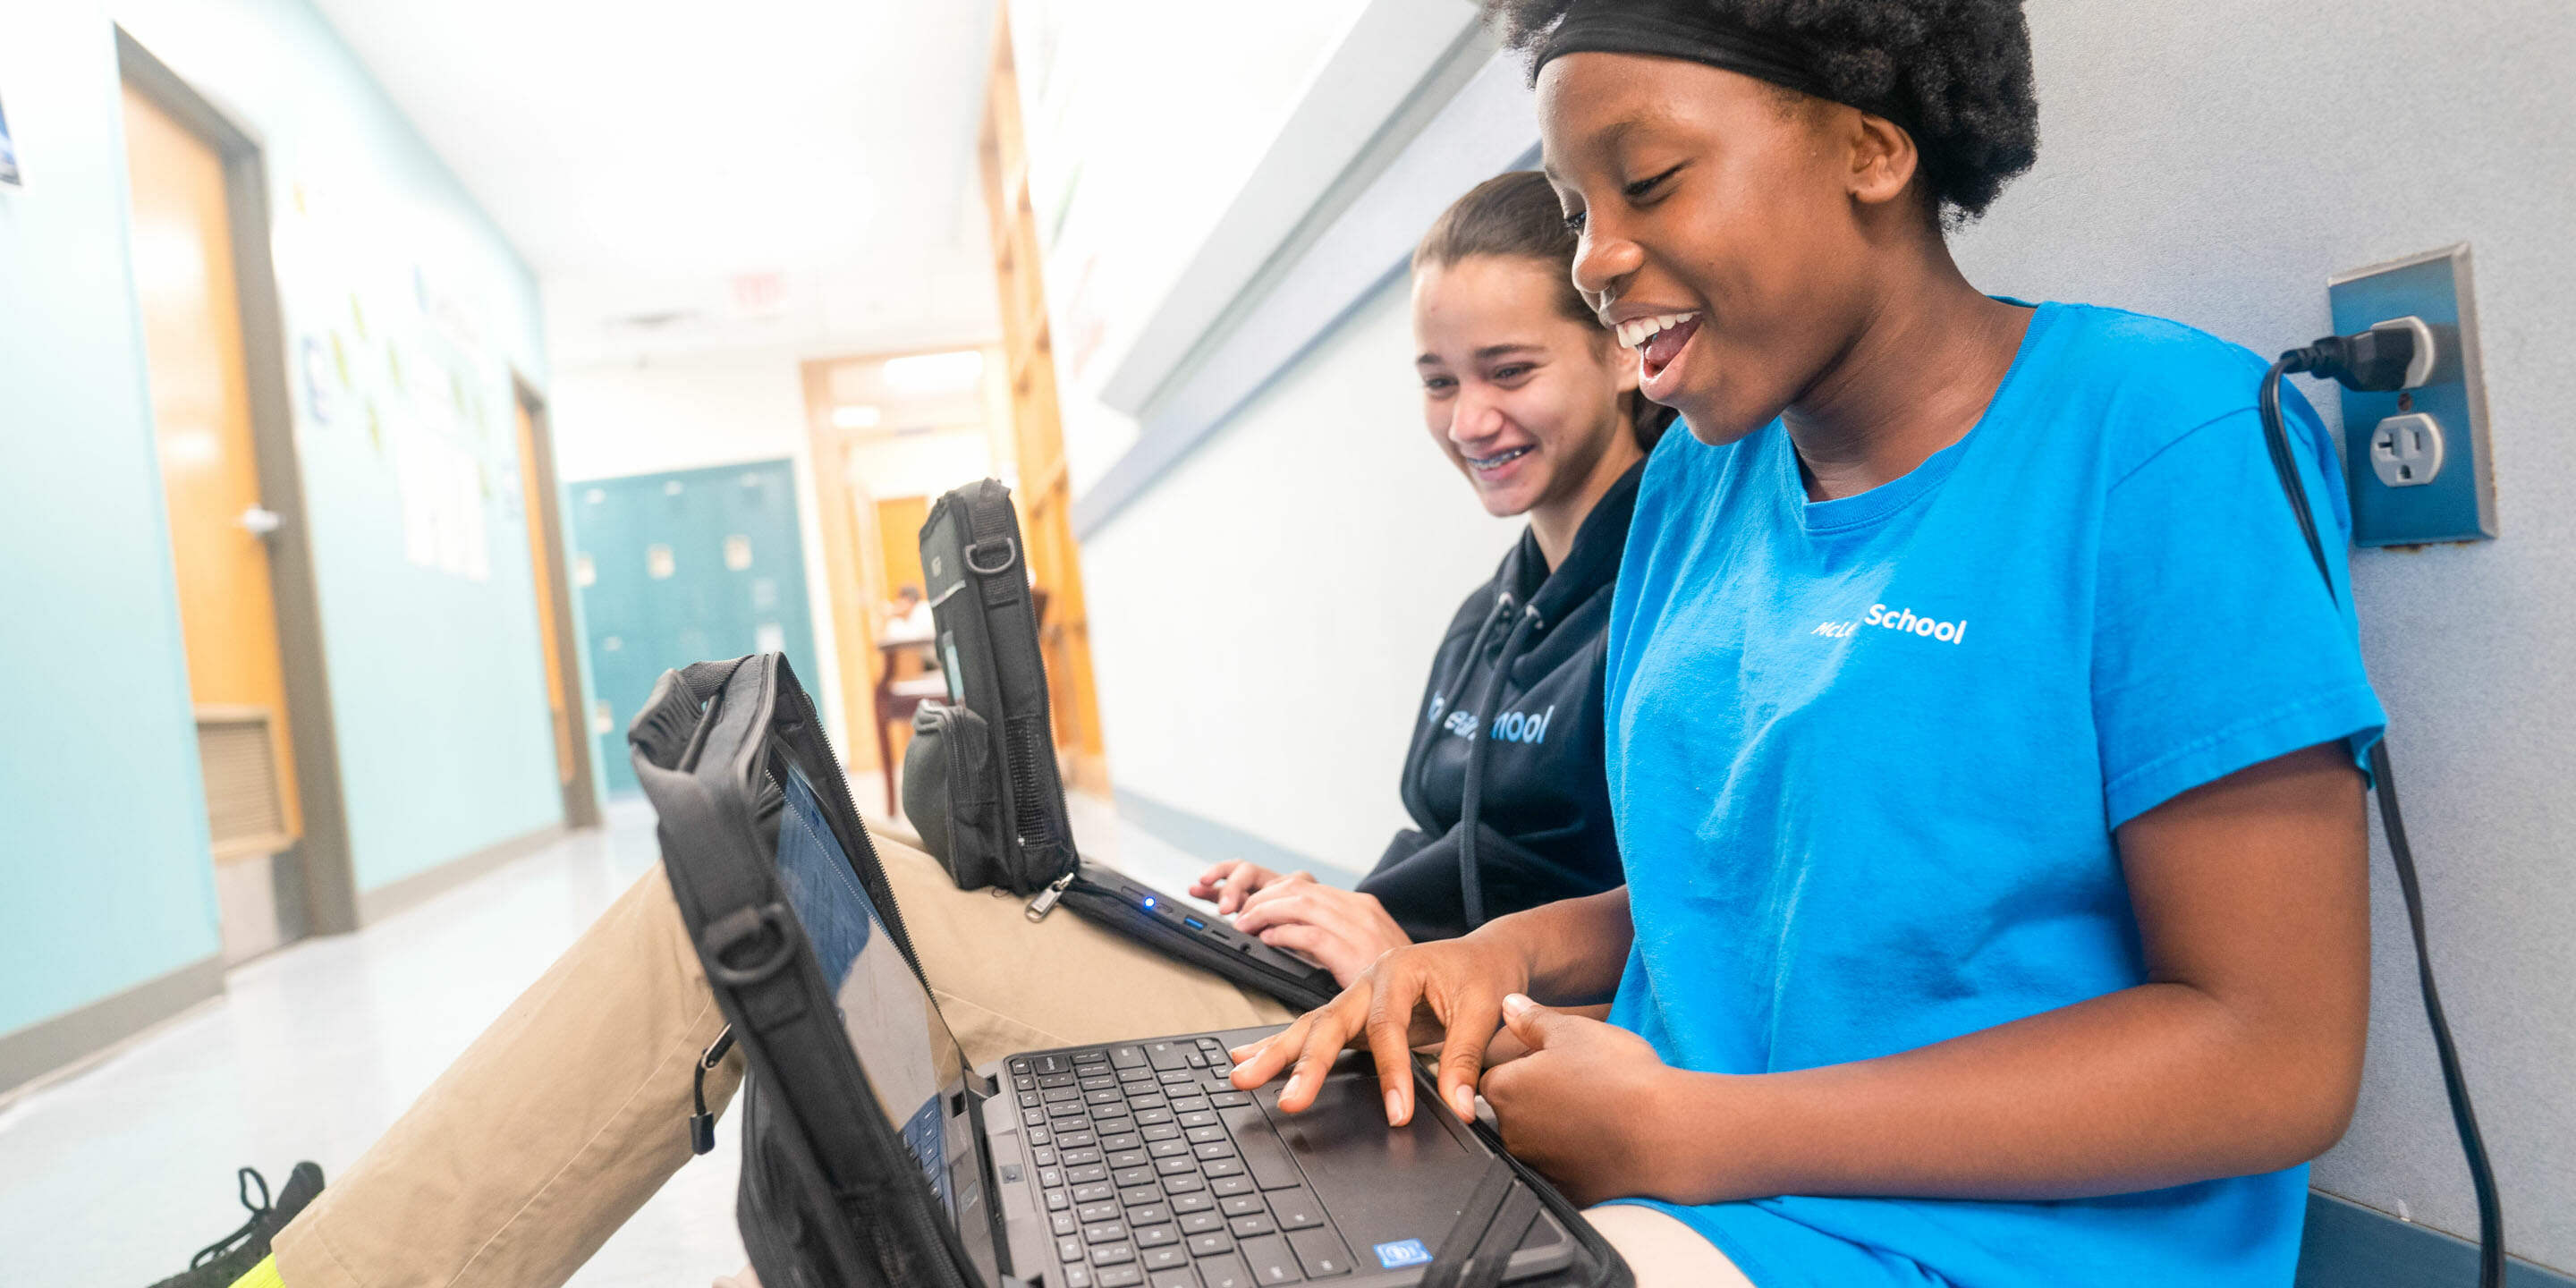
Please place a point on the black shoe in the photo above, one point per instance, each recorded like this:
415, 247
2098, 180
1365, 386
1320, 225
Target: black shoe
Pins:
229, 1258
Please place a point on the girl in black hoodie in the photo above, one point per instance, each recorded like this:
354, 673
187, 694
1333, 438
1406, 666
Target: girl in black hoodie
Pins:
1538, 408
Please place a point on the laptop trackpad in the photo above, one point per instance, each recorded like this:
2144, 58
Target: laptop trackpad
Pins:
1393, 1191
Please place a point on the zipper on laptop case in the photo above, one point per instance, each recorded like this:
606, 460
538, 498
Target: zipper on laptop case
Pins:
702, 1125
1046, 900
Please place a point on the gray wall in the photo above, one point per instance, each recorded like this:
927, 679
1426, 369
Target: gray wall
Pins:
2188, 168
1324, 542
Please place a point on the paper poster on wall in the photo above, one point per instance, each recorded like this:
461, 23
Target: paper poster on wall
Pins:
441, 487
8, 154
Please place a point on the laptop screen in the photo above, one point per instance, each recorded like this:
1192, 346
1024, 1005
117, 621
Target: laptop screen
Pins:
912, 1060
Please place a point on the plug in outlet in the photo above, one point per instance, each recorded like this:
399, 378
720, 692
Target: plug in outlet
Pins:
2416, 459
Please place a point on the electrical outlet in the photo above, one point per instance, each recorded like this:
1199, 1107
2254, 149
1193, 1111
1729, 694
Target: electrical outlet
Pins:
2416, 460
2407, 451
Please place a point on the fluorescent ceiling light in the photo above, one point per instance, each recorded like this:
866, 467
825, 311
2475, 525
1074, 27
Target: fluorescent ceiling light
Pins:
857, 416
934, 373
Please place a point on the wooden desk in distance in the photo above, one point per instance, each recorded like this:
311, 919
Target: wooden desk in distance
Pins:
904, 682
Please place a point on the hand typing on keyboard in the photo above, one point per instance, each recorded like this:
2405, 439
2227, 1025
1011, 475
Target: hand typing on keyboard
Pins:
1450, 992
1343, 930
1579, 1099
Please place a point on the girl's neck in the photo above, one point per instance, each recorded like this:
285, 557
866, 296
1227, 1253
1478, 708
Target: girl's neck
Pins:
1914, 378
1556, 521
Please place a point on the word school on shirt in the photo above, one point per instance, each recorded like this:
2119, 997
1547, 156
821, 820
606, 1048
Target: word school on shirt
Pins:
1902, 619
1510, 726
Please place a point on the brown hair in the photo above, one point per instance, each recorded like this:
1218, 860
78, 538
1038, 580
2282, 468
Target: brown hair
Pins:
1515, 215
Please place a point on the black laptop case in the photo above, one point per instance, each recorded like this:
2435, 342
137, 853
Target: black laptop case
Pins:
980, 779
1004, 824
831, 1195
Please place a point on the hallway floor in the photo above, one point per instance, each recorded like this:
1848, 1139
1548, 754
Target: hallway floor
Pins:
115, 1175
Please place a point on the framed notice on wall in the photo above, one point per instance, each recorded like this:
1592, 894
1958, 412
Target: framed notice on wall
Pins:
8, 152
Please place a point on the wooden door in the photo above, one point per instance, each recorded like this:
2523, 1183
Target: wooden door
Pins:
899, 521
184, 277
1045, 494
560, 686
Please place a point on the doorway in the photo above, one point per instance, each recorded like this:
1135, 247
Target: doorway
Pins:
239, 557
890, 432
554, 609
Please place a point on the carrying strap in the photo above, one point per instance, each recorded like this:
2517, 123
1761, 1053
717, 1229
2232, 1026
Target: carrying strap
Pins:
990, 550
1489, 1229
749, 938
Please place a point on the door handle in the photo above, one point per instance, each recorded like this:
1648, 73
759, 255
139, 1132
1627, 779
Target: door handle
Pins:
260, 521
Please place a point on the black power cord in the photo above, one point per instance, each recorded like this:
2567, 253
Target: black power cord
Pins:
2389, 356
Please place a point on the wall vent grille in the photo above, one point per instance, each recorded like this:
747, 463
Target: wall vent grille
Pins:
244, 808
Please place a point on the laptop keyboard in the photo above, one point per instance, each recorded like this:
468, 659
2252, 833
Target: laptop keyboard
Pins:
1154, 1171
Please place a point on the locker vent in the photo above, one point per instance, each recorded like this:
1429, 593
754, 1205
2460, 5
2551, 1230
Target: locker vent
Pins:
239, 756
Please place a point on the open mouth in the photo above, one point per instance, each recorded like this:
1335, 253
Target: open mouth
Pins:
1658, 340
1498, 460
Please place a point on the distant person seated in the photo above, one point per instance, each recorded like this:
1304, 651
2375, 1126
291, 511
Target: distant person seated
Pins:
571, 1110
907, 618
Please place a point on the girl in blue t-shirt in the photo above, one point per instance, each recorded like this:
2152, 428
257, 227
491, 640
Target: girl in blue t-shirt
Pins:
1981, 741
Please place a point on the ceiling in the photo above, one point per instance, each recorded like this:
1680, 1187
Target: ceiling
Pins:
788, 174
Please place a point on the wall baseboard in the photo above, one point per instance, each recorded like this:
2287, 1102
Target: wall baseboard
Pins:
50, 1046
2351, 1246
420, 887
1200, 835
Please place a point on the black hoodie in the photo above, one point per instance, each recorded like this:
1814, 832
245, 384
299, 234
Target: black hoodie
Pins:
1541, 798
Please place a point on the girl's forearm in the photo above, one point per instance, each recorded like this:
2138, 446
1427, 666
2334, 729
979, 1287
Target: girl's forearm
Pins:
2153, 1086
1575, 948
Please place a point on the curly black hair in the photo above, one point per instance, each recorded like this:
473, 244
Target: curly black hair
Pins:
1961, 66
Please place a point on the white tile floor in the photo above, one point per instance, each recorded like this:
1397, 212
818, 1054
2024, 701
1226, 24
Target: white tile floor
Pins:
115, 1175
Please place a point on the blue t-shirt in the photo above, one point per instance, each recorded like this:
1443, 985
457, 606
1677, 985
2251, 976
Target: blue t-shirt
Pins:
1866, 756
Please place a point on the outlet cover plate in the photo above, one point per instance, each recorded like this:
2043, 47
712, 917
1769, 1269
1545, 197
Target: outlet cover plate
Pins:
2459, 504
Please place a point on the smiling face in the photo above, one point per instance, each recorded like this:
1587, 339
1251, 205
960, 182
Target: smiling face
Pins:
1731, 232
1525, 400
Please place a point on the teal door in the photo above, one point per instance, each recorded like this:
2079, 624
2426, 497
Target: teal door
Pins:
678, 568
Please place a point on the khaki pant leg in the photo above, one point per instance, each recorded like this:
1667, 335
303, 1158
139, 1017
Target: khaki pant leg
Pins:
545, 1136
1007, 985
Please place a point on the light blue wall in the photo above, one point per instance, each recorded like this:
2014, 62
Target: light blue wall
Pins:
104, 879
437, 677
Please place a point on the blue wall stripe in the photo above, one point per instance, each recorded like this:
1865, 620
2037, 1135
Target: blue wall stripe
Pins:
2351, 1246
1214, 841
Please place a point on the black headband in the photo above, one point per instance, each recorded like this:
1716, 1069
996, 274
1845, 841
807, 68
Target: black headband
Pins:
1694, 31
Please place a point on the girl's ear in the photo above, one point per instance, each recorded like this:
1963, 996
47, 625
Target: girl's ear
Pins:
1883, 157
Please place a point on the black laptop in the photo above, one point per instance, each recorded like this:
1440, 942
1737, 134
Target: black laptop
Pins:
875, 1156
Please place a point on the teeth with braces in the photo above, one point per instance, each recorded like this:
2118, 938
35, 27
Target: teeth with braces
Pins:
1498, 458
1635, 334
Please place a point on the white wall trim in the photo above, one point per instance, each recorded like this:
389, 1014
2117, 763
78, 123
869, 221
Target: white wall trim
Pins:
1332, 260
